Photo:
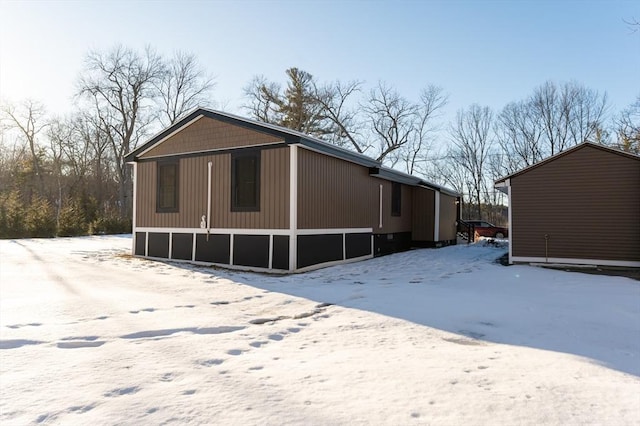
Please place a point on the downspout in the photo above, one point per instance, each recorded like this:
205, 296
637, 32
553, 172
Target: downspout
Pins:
380, 225
209, 165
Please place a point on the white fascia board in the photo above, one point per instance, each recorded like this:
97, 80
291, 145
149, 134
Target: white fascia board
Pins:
503, 184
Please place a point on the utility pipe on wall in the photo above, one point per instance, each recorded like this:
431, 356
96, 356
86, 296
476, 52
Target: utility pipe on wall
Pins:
209, 165
546, 248
380, 225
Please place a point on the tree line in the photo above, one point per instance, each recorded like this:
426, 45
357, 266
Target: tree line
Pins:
468, 153
67, 175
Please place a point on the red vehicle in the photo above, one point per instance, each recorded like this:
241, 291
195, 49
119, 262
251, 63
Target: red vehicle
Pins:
486, 229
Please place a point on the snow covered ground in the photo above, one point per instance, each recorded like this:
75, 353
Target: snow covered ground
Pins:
89, 335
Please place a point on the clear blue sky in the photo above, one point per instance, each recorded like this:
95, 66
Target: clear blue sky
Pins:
486, 52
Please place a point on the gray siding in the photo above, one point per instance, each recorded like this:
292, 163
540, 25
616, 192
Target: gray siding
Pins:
587, 202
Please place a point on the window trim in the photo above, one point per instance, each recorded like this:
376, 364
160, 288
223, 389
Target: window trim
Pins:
396, 199
234, 196
159, 166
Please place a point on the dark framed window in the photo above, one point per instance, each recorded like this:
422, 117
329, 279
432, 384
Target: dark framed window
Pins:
245, 181
396, 199
167, 186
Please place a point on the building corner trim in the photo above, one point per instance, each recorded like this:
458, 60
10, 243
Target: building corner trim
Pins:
134, 178
436, 216
510, 219
293, 207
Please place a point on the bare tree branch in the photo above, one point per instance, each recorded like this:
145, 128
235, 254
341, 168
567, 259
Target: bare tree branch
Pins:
30, 119
122, 86
182, 86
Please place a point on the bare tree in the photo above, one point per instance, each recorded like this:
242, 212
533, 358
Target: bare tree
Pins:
633, 24
88, 129
392, 120
554, 118
569, 114
59, 143
182, 86
470, 148
397, 130
416, 155
587, 113
13, 153
519, 134
121, 86
346, 125
30, 119
627, 127
260, 104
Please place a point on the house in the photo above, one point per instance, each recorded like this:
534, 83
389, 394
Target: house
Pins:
219, 189
581, 206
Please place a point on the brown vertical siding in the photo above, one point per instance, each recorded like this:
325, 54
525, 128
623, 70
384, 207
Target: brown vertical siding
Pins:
333, 193
423, 217
587, 203
207, 134
448, 215
274, 194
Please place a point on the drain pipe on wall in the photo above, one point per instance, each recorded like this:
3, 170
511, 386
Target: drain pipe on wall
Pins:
546, 248
380, 224
209, 165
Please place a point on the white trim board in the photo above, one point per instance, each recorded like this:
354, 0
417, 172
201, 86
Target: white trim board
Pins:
134, 178
237, 231
570, 261
436, 217
249, 231
293, 207
335, 231
510, 219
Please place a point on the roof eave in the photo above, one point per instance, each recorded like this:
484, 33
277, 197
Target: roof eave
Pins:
290, 137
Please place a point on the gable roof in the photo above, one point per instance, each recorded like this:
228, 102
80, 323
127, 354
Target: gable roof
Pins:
290, 137
502, 181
